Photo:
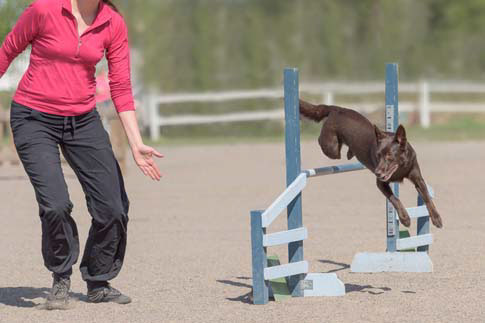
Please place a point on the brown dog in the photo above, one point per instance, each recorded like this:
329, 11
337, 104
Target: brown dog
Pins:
389, 156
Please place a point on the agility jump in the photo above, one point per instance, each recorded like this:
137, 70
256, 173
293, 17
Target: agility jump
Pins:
300, 282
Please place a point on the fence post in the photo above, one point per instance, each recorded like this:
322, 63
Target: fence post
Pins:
328, 98
153, 119
424, 104
392, 122
293, 169
259, 259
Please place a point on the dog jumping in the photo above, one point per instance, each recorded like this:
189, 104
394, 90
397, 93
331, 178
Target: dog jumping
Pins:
389, 156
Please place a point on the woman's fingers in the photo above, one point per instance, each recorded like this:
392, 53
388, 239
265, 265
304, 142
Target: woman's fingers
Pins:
150, 171
153, 174
143, 170
157, 154
148, 165
157, 170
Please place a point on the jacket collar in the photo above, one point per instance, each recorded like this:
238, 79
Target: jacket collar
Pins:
104, 13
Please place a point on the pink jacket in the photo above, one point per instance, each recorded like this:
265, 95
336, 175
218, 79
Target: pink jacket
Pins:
61, 75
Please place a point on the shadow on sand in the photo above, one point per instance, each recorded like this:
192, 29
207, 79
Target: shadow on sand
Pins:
341, 265
24, 296
245, 298
350, 288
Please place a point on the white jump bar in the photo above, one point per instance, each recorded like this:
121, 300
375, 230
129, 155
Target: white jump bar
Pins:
294, 268
283, 200
414, 242
284, 237
417, 212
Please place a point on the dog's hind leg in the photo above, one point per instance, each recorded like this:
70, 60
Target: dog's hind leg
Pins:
401, 210
329, 140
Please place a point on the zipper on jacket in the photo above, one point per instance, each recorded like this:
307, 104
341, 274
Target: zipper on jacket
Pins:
79, 43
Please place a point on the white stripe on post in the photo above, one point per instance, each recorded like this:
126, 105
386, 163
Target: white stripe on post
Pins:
295, 268
284, 237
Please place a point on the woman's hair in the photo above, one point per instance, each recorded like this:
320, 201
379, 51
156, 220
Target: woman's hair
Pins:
111, 4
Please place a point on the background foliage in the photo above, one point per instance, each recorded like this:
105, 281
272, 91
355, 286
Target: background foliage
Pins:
198, 45
216, 44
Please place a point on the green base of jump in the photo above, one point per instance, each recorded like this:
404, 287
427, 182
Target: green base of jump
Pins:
405, 234
279, 286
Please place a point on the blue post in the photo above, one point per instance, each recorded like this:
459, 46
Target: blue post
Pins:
392, 122
293, 169
423, 225
259, 259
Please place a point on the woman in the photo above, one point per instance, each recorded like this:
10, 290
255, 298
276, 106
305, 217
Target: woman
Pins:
54, 106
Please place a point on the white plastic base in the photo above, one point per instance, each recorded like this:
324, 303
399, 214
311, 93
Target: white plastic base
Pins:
403, 262
319, 284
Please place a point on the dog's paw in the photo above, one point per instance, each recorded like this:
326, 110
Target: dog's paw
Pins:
436, 219
404, 219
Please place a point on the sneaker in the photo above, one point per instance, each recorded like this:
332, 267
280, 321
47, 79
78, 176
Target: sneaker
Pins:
58, 297
107, 294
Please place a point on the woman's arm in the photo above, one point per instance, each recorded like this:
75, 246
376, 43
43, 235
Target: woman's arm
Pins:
118, 56
24, 31
142, 154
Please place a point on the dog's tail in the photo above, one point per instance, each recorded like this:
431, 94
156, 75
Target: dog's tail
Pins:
315, 112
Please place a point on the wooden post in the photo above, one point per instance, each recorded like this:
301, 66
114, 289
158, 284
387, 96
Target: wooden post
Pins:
293, 169
392, 122
259, 259
154, 118
424, 105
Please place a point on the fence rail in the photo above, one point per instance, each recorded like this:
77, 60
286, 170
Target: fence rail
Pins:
327, 92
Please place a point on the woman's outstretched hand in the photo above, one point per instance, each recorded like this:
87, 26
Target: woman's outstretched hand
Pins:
143, 156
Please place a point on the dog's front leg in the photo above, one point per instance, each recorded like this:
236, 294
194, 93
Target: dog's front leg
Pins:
417, 179
401, 210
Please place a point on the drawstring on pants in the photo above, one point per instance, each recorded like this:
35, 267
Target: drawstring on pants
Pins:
73, 124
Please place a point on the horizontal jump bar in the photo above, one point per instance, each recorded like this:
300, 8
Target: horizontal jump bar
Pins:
416, 212
283, 237
334, 169
294, 268
413, 242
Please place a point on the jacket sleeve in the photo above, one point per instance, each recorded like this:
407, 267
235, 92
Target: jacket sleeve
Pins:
119, 75
23, 33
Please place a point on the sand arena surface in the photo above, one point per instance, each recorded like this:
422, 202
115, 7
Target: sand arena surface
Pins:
188, 257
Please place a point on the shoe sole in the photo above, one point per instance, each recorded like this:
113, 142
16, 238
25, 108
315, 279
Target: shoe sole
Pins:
56, 305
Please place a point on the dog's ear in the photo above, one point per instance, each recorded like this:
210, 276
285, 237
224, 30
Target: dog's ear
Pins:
400, 136
379, 134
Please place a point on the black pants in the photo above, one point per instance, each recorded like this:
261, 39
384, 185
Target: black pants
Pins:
86, 147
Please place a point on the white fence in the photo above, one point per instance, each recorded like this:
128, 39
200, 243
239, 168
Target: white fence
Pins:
9, 80
152, 115
328, 91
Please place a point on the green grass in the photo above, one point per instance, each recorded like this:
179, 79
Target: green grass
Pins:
457, 128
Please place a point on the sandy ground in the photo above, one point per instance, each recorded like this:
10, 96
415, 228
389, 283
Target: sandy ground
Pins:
188, 257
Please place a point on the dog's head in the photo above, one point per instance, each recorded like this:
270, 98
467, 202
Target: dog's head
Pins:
393, 153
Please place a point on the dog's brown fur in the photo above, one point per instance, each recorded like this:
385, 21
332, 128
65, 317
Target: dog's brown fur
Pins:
389, 156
